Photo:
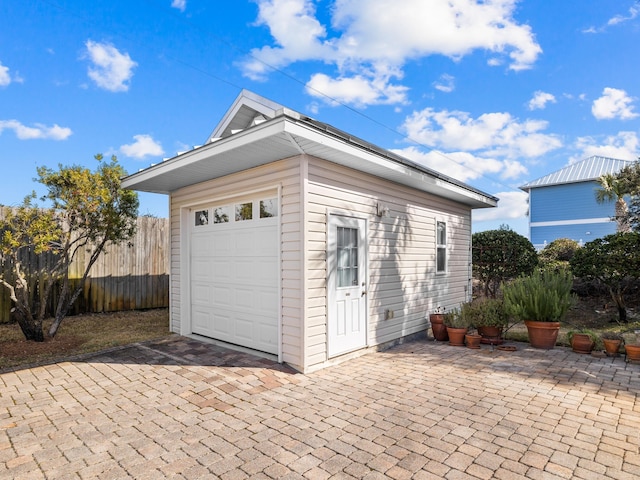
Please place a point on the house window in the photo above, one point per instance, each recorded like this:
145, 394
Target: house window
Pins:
441, 247
221, 214
202, 217
269, 208
244, 211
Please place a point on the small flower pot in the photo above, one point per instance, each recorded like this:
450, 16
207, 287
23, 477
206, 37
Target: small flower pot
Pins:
456, 336
633, 352
491, 335
473, 340
582, 343
611, 346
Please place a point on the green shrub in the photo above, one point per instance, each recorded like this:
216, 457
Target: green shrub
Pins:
542, 296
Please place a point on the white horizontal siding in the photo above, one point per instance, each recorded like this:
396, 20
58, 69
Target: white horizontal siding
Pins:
401, 253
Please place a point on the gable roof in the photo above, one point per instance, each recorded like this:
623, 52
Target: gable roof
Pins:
589, 169
256, 131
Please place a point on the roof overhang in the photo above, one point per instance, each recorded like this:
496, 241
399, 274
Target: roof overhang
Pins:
288, 135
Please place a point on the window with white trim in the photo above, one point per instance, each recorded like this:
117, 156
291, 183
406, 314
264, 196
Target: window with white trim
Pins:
441, 247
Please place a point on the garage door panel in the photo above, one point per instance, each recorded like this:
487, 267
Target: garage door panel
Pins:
234, 284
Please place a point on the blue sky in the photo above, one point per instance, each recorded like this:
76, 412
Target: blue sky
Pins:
494, 93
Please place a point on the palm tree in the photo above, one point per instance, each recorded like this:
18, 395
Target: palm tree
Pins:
613, 188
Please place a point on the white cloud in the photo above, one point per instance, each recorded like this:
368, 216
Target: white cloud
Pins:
624, 145
634, 11
375, 47
464, 166
5, 78
179, 4
143, 146
446, 83
540, 100
614, 103
512, 205
358, 90
110, 69
37, 132
493, 134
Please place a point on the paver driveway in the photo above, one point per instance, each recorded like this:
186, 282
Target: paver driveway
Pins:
185, 409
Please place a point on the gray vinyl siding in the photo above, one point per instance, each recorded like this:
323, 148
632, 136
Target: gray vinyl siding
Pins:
401, 253
285, 173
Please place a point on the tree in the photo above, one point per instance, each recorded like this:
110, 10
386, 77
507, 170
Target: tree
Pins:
557, 255
614, 187
500, 255
611, 260
89, 210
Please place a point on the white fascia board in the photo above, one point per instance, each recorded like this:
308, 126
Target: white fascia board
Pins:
219, 147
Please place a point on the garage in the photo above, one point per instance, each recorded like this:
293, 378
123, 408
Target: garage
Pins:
234, 272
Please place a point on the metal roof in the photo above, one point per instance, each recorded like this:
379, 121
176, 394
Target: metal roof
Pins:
270, 135
590, 168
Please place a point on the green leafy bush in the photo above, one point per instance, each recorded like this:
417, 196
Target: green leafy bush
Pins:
500, 255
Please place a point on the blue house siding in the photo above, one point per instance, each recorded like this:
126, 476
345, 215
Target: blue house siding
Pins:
563, 203
569, 201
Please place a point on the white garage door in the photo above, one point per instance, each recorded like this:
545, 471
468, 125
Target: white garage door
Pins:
235, 274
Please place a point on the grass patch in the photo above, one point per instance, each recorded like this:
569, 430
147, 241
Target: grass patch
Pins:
82, 334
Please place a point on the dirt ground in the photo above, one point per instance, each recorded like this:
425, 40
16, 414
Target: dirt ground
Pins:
82, 334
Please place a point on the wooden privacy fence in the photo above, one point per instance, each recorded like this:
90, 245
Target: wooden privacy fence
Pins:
124, 278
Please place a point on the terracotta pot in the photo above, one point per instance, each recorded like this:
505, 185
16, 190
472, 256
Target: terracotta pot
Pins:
611, 346
438, 328
491, 335
633, 352
582, 343
473, 340
456, 336
542, 334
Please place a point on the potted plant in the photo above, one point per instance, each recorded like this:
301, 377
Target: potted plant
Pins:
582, 341
472, 339
632, 351
541, 300
612, 342
457, 326
490, 320
438, 328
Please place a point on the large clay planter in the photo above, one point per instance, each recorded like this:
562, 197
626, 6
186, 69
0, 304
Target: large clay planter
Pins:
582, 343
633, 352
611, 346
473, 340
491, 335
542, 334
438, 327
456, 336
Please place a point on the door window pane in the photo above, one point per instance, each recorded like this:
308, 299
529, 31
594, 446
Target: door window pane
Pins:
244, 211
221, 214
347, 255
202, 217
441, 247
269, 208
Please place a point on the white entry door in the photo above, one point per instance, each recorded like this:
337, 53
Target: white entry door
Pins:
347, 284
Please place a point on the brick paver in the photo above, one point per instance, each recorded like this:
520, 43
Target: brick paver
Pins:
180, 408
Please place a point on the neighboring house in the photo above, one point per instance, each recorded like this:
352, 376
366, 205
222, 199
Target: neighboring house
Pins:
563, 204
293, 238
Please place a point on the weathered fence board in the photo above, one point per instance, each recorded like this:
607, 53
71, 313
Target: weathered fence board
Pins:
123, 278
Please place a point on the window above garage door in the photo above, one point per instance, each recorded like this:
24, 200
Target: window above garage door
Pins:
257, 209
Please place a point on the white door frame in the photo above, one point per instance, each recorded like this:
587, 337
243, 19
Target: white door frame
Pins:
355, 296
